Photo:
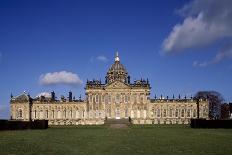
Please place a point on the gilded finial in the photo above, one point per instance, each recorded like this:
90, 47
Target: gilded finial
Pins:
117, 57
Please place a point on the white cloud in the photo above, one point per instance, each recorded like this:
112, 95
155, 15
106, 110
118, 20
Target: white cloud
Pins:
45, 94
102, 58
62, 77
224, 53
200, 64
206, 21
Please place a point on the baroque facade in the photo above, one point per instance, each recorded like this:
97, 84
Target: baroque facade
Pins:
115, 98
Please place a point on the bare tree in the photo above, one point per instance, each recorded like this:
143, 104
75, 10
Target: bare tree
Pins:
215, 100
225, 111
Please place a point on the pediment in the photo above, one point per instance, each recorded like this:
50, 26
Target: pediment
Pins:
117, 85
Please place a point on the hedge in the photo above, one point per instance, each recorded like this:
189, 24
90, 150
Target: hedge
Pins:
203, 123
21, 125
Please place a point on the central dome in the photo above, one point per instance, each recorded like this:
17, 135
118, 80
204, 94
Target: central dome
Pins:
117, 72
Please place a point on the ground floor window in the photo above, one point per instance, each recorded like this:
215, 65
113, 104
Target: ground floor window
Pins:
188, 113
182, 113
176, 114
158, 112
194, 113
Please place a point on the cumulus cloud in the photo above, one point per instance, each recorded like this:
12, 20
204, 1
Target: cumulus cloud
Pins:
224, 53
62, 77
205, 21
45, 94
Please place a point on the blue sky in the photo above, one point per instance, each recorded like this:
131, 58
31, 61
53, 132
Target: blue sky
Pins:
181, 46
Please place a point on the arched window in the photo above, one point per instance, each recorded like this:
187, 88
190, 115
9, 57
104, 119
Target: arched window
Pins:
176, 114
182, 113
20, 113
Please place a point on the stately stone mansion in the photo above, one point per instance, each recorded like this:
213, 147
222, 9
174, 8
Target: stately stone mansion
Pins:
115, 98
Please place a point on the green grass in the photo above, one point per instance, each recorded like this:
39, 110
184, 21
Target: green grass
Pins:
137, 139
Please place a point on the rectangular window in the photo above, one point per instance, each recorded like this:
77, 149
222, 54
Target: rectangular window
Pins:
158, 112
165, 112
182, 113
176, 114
170, 113
188, 113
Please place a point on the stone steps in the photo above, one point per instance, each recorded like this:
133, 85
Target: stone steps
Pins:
117, 121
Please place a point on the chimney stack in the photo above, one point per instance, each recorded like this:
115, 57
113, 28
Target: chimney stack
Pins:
53, 96
70, 96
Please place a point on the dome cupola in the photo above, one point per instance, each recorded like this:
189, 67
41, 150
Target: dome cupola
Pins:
117, 72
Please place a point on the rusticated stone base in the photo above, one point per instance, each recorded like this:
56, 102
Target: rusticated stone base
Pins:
161, 121
76, 122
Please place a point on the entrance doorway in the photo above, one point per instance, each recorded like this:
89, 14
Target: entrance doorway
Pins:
117, 113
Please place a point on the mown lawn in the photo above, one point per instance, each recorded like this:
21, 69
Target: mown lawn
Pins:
148, 139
